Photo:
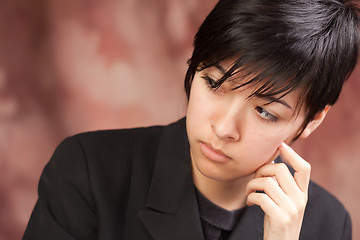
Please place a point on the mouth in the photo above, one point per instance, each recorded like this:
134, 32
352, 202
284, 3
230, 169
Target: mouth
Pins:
213, 154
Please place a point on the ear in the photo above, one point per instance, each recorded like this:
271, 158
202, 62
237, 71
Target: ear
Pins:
319, 117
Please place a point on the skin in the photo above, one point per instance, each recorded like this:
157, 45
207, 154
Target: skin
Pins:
233, 142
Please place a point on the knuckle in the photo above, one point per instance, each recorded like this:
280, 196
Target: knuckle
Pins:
249, 187
282, 167
307, 166
263, 197
294, 212
269, 181
297, 209
249, 197
302, 204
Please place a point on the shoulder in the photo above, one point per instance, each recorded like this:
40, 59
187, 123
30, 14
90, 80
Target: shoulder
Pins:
117, 136
91, 178
111, 151
118, 141
108, 153
104, 151
108, 144
321, 200
325, 216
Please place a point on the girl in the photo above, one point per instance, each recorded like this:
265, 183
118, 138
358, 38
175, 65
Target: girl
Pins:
262, 74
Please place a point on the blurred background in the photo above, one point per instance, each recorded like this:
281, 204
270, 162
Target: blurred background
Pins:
80, 65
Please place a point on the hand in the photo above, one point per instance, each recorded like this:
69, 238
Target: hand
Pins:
284, 197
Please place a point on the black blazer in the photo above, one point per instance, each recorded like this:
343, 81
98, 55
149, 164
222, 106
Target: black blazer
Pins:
137, 184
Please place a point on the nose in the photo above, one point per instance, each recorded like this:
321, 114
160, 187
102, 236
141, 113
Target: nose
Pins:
227, 125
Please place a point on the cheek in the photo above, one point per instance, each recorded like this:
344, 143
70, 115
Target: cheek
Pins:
265, 148
263, 143
196, 112
201, 105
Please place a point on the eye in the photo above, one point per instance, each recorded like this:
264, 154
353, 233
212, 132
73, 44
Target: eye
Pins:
210, 82
214, 85
266, 115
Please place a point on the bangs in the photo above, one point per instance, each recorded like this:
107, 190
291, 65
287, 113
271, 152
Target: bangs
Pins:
269, 80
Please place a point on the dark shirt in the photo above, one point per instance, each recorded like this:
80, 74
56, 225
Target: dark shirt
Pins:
217, 222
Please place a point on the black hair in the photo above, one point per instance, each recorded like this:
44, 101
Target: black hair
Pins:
305, 45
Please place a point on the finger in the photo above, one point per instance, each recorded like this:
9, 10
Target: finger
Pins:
301, 167
264, 201
283, 177
270, 187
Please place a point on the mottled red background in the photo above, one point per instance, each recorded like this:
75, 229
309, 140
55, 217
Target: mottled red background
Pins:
72, 66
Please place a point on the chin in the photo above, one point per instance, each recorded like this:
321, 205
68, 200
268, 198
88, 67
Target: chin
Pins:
218, 172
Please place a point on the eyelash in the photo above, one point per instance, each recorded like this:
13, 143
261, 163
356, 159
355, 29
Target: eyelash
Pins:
211, 83
268, 118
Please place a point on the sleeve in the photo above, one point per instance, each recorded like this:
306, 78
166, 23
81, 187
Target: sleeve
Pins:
65, 208
347, 231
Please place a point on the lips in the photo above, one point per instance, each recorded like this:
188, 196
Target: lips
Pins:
213, 154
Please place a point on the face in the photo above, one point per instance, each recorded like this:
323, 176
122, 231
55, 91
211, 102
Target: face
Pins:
231, 135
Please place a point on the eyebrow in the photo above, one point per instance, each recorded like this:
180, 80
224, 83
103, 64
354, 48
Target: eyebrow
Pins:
272, 99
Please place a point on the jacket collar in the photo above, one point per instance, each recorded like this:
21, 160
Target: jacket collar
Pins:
172, 174
172, 207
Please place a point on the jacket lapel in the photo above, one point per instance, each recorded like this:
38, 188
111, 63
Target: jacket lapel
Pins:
172, 211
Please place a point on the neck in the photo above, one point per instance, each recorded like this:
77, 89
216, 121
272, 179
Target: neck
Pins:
228, 194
